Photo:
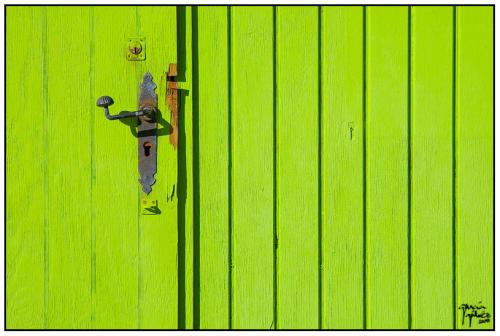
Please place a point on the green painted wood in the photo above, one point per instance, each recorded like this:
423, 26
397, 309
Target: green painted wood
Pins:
213, 127
432, 179
26, 168
474, 161
297, 167
114, 184
342, 167
387, 304
185, 168
252, 116
158, 233
68, 164
271, 140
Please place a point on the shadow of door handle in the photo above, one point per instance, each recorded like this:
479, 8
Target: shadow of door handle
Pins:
106, 101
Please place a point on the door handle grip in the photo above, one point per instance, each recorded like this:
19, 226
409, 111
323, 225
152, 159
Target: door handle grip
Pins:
106, 101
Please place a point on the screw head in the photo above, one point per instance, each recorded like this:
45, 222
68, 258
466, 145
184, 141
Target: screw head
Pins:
135, 47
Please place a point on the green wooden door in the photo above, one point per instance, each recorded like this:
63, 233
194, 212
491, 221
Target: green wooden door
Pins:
334, 169
80, 254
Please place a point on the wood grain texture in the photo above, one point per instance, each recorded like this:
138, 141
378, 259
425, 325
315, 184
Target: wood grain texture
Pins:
213, 123
115, 179
158, 233
252, 116
297, 167
362, 137
25, 168
69, 168
185, 165
432, 179
387, 167
474, 146
342, 167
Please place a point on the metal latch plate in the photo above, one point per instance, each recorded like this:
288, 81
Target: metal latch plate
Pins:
146, 134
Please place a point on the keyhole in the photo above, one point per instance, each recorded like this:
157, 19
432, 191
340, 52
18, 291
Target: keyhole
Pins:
147, 148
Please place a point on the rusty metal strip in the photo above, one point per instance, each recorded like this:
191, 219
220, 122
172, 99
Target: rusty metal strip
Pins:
172, 103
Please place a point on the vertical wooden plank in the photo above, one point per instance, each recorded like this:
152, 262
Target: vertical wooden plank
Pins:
69, 168
25, 168
185, 167
252, 126
432, 155
342, 167
213, 159
474, 155
297, 167
387, 167
114, 180
158, 233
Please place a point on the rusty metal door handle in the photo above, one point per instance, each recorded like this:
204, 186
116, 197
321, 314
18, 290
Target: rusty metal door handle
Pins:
106, 101
146, 129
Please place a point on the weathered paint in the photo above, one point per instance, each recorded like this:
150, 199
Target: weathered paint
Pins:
333, 168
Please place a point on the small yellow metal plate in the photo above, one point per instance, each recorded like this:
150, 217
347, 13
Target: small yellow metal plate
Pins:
149, 207
136, 49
